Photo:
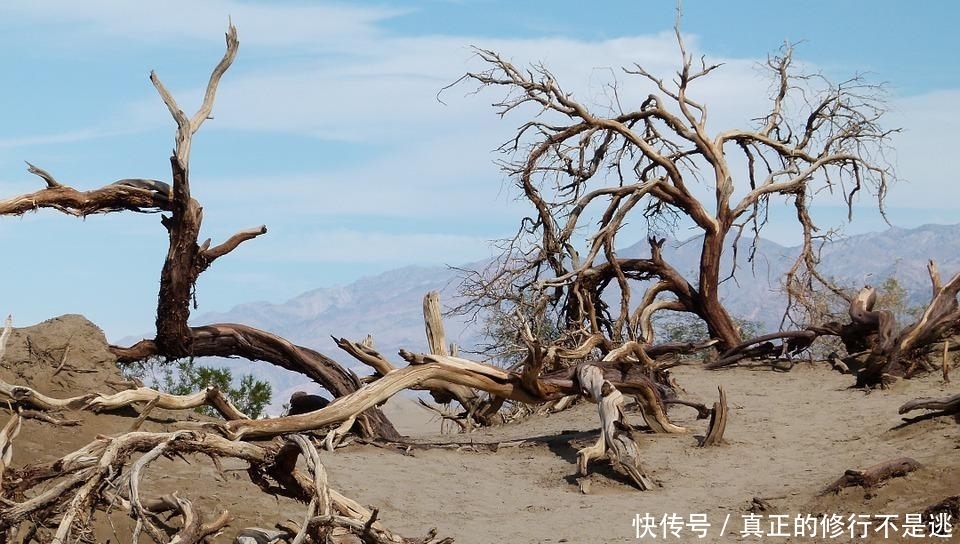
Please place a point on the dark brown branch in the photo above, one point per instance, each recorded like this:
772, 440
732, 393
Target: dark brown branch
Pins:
763, 346
946, 405
718, 422
873, 476
115, 197
257, 345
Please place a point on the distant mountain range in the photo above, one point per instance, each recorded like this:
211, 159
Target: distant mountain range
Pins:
389, 306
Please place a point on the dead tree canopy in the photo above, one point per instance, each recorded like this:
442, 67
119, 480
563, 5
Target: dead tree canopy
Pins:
187, 258
586, 171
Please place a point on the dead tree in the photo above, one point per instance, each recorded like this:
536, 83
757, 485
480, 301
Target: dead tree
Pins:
876, 346
187, 259
587, 171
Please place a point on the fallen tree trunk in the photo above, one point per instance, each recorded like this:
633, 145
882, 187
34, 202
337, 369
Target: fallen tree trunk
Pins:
257, 345
872, 476
947, 405
426, 370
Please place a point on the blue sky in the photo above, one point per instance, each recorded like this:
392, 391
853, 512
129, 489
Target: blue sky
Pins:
327, 129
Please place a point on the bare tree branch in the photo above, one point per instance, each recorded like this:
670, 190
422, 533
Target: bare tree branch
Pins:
574, 164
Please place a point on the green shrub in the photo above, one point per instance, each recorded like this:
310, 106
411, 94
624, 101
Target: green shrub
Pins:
185, 377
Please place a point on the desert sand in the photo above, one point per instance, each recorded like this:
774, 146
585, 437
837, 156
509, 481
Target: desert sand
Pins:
789, 435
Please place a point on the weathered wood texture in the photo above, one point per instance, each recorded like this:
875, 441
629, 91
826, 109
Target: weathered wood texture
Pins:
873, 475
947, 405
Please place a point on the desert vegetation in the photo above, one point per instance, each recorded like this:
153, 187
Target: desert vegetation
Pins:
576, 165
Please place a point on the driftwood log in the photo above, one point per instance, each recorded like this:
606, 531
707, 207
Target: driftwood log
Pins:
945, 405
873, 475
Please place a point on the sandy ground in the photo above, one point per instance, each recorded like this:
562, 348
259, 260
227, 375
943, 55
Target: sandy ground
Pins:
789, 435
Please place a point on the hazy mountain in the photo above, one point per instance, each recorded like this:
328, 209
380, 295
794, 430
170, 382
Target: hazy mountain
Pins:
389, 306
898, 253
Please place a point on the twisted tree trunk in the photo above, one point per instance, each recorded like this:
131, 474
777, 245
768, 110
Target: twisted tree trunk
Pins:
186, 259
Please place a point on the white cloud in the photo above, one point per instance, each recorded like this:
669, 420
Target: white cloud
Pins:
59, 138
391, 90
303, 25
429, 180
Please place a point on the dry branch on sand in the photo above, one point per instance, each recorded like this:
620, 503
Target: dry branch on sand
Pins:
944, 405
96, 402
79, 483
872, 476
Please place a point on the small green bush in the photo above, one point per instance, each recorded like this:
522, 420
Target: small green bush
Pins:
185, 377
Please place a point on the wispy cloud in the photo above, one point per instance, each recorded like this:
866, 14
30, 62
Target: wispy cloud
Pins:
73, 136
384, 173
300, 25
